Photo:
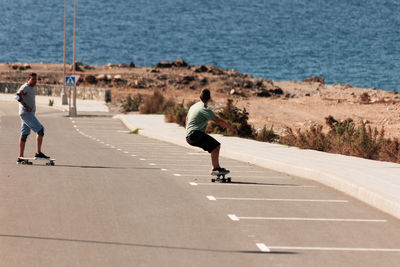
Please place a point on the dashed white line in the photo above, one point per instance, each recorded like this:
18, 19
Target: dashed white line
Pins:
263, 247
280, 199
236, 218
211, 198
336, 249
177, 174
233, 217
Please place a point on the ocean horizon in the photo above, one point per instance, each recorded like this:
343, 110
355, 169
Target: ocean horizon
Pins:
352, 42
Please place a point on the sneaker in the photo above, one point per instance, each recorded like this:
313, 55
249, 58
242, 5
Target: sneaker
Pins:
41, 156
219, 170
20, 161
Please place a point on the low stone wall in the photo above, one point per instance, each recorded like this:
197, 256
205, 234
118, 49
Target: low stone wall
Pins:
87, 93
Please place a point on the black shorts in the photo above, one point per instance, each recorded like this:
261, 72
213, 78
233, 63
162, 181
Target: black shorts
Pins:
203, 140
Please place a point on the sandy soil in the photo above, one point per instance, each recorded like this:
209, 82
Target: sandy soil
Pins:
281, 104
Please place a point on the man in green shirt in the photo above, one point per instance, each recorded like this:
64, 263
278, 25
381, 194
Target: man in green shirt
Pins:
196, 123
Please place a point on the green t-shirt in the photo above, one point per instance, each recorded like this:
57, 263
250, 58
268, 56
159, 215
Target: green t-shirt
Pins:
197, 118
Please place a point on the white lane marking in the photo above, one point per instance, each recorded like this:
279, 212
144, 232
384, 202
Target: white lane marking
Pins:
336, 249
112, 146
270, 185
233, 217
311, 219
133, 155
120, 131
164, 169
193, 183
142, 159
263, 247
126, 152
119, 149
152, 164
107, 144
177, 174
282, 199
211, 198
72, 121
75, 126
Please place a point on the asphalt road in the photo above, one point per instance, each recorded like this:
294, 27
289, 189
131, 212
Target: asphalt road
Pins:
120, 199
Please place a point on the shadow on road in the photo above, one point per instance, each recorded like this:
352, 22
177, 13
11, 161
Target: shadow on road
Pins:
140, 245
102, 167
265, 184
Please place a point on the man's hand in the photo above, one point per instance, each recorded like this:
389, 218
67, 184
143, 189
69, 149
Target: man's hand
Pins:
221, 122
28, 108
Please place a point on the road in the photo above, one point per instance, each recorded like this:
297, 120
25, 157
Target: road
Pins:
120, 199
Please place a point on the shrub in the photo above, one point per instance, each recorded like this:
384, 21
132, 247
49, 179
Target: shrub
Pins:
266, 135
346, 138
236, 117
155, 103
312, 138
132, 104
390, 150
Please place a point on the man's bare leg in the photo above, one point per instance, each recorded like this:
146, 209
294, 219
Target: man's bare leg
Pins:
39, 141
21, 148
215, 157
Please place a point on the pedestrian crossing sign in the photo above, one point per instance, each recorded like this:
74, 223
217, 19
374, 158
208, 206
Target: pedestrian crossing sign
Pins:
71, 80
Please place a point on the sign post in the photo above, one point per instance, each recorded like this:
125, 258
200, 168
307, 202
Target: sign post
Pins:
71, 81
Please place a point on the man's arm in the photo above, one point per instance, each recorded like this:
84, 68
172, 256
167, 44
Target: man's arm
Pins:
19, 98
221, 122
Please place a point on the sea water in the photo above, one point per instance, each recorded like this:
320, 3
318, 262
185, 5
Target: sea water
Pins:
344, 41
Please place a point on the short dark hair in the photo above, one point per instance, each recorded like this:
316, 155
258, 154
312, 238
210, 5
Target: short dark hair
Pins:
205, 95
32, 74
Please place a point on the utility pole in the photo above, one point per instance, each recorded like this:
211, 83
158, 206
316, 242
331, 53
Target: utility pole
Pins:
73, 111
64, 94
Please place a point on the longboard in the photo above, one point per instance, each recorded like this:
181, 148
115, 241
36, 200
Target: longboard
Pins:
27, 161
220, 178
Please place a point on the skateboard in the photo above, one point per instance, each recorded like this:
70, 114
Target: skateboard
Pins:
27, 161
220, 178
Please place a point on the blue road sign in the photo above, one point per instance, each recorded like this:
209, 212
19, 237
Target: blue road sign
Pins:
70, 80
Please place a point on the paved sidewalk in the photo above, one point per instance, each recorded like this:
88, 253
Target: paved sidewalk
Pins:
82, 105
374, 182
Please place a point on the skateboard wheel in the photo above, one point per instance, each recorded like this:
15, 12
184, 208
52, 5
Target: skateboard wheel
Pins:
229, 179
213, 180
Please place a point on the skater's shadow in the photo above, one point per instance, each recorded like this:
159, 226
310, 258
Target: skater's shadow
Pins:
265, 184
105, 167
125, 244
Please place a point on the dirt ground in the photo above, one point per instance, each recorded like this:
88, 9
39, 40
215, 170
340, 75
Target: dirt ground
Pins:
281, 104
